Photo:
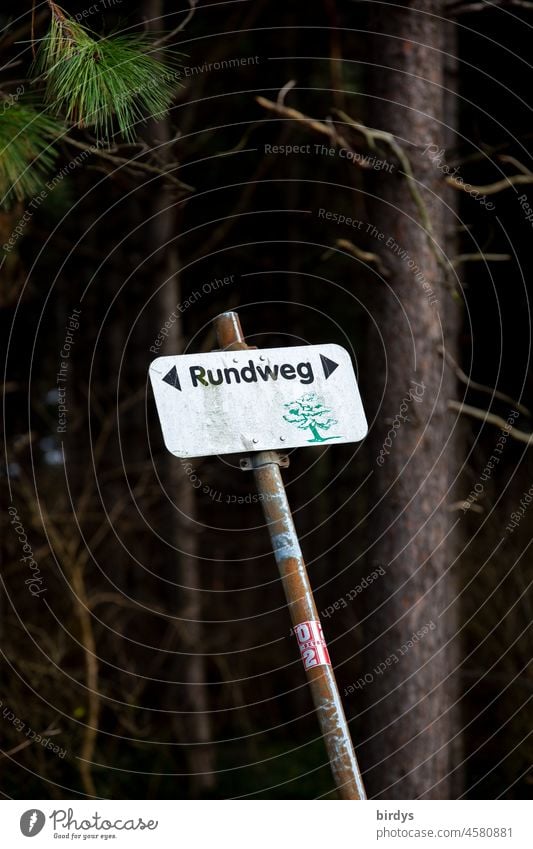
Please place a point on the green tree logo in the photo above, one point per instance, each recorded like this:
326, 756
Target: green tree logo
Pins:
309, 412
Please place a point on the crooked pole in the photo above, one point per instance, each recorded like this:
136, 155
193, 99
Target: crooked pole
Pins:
299, 595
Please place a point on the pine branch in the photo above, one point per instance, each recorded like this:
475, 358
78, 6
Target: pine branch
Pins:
103, 82
26, 151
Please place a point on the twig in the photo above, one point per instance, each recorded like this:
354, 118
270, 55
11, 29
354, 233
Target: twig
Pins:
50, 732
190, 14
13, 36
492, 188
283, 92
465, 505
318, 126
33, 28
468, 8
14, 64
504, 157
57, 11
336, 64
230, 221
366, 256
480, 387
485, 416
132, 163
372, 135
498, 678
71, 554
88, 642
480, 257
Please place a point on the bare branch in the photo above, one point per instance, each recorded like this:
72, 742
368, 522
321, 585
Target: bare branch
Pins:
465, 505
492, 188
88, 643
516, 162
13, 35
498, 678
366, 256
283, 92
50, 732
468, 8
480, 387
481, 257
485, 416
134, 163
190, 14
318, 126
372, 135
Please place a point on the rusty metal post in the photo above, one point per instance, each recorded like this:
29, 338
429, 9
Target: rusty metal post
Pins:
304, 615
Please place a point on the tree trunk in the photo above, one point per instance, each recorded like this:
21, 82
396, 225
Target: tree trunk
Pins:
194, 726
410, 717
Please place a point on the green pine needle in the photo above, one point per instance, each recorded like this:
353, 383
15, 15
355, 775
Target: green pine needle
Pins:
95, 81
26, 152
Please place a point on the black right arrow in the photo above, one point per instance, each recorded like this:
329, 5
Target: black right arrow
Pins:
172, 378
328, 365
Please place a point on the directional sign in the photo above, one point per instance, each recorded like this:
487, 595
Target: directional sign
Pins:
230, 402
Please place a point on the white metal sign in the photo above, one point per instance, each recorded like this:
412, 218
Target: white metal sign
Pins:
229, 402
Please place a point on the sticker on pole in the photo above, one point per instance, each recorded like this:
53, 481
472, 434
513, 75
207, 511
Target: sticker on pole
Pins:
229, 402
312, 644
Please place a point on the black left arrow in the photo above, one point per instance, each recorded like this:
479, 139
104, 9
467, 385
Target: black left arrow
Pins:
172, 378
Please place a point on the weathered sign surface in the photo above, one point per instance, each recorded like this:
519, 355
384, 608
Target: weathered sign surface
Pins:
229, 402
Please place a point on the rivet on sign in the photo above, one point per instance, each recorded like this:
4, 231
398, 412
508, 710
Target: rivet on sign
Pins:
235, 360
282, 438
255, 441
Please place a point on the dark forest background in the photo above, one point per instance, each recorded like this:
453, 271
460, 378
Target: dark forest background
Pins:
159, 657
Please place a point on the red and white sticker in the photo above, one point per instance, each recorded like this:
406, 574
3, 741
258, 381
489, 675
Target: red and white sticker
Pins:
312, 644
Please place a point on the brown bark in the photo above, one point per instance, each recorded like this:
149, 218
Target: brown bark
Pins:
410, 718
194, 726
